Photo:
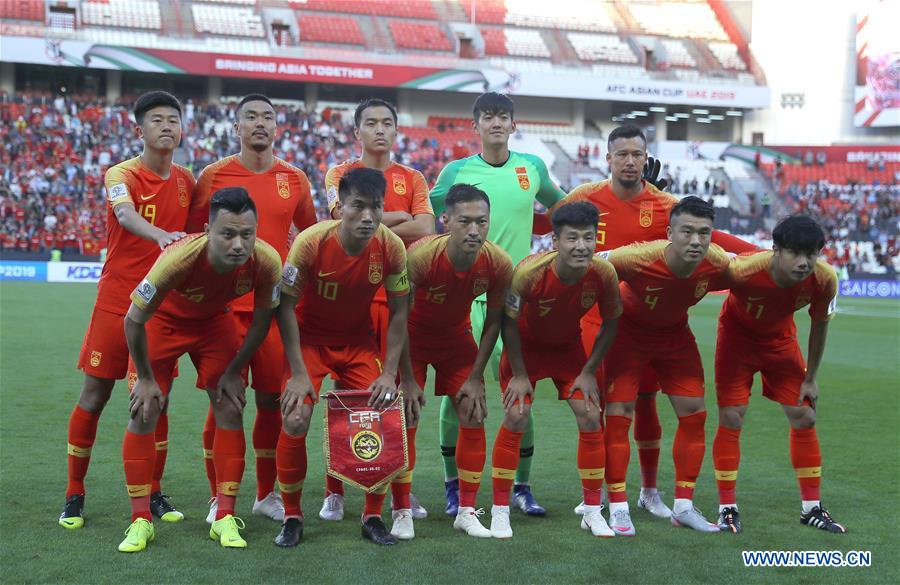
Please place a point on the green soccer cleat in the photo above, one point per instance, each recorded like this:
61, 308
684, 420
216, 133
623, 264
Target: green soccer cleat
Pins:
227, 531
137, 536
72, 516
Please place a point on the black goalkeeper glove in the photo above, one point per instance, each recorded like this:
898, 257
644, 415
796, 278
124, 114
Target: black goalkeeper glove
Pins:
651, 174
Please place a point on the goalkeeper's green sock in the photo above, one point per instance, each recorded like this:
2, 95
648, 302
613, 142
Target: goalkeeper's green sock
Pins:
449, 430
526, 452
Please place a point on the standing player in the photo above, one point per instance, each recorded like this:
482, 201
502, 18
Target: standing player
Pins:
281, 193
512, 181
634, 210
207, 271
757, 334
407, 212
550, 293
335, 269
447, 273
660, 281
149, 199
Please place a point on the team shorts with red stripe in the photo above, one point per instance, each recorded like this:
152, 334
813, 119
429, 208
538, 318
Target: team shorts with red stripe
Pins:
672, 357
267, 366
738, 358
104, 350
562, 364
590, 328
452, 361
354, 367
381, 316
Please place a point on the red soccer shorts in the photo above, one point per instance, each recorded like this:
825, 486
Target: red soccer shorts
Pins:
267, 365
562, 364
354, 367
211, 344
673, 358
590, 328
452, 361
104, 351
739, 357
381, 316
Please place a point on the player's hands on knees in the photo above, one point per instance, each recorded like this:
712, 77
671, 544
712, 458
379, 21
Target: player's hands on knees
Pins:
142, 397
473, 391
295, 392
384, 390
808, 391
413, 401
166, 238
587, 383
231, 387
516, 391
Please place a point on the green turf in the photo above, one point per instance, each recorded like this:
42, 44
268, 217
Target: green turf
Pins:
42, 326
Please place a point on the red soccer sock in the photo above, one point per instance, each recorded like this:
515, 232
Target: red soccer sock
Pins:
727, 459
138, 455
504, 461
471, 449
591, 463
402, 484
687, 451
290, 457
807, 461
266, 429
333, 486
647, 434
618, 453
229, 449
374, 503
209, 436
161, 438
82, 433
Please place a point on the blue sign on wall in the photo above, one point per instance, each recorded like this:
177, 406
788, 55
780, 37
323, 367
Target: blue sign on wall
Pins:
15, 270
881, 289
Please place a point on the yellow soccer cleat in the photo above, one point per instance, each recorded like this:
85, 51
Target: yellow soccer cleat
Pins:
137, 536
227, 531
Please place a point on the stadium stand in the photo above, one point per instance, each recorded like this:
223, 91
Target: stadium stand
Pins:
678, 19
419, 35
594, 47
401, 8
330, 29
142, 14
583, 15
677, 54
226, 20
727, 55
22, 10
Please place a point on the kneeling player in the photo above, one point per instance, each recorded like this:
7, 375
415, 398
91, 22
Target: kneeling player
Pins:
550, 293
757, 334
336, 267
448, 272
207, 271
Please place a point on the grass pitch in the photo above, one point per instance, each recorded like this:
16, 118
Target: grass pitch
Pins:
41, 330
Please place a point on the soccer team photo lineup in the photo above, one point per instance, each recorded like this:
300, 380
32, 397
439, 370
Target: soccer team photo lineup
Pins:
449, 291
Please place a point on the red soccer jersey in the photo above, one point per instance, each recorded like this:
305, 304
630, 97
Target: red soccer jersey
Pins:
163, 202
758, 307
336, 289
443, 296
655, 300
550, 311
282, 197
201, 291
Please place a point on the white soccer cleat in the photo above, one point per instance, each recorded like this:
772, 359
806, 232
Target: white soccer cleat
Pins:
620, 522
579, 509
418, 510
332, 508
213, 508
653, 503
467, 520
402, 527
500, 527
594, 521
693, 519
270, 506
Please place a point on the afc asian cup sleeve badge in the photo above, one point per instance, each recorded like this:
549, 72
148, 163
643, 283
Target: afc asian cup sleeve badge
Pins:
146, 291
700, 290
399, 182
283, 184
289, 275
182, 192
646, 214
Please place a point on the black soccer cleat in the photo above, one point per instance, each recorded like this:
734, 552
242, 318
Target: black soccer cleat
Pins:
291, 533
819, 518
162, 509
374, 529
72, 516
730, 520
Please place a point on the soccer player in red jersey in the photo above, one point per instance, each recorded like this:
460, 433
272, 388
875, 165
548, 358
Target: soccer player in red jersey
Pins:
335, 269
408, 213
447, 273
757, 333
634, 210
281, 193
206, 271
660, 281
149, 199
549, 295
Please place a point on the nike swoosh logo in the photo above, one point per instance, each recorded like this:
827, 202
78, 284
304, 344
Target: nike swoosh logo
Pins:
324, 274
195, 289
653, 288
435, 288
542, 301
147, 197
755, 298
602, 213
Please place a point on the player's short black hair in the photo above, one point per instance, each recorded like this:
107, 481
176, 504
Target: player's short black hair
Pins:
154, 99
234, 199
625, 131
693, 205
254, 97
493, 103
373, 103
364, 182
576, 214
463, 193
799, 233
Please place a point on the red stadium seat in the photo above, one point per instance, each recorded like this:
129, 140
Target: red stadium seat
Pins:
403, 8
330, 29
416, 35
22, 9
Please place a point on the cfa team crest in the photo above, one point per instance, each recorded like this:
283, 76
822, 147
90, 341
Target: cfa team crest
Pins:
96, 357
588, 297
376, 268
480, 285
182, 192
399, 182
243, 286
366, 445
283, 185
646, 217
802, 300
701, 289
